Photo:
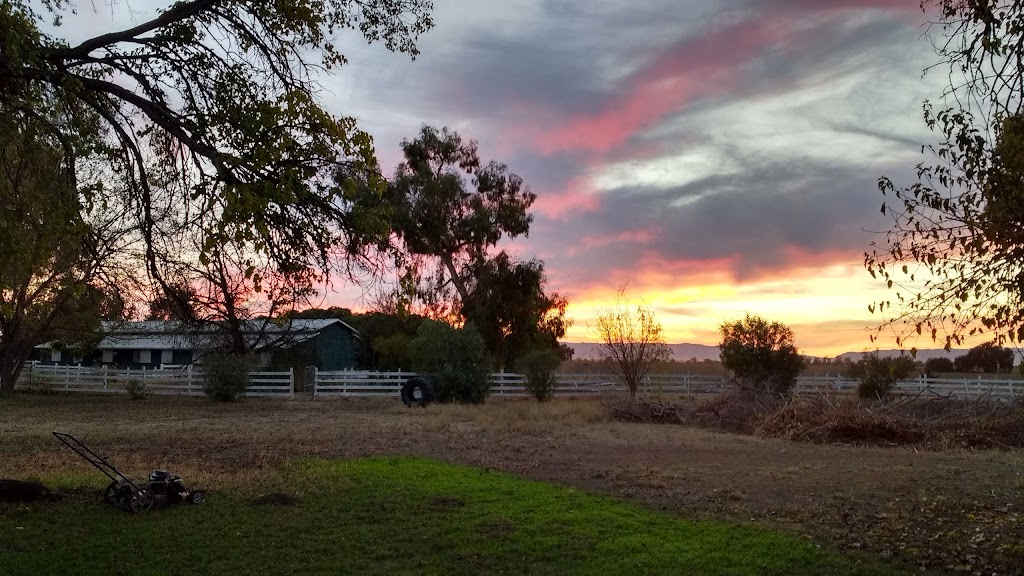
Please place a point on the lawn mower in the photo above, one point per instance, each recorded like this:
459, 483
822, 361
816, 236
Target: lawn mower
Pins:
162, 487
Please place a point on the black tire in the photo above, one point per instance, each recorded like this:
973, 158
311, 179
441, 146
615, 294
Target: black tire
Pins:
196, 497
417, 391
141, 500
117, 494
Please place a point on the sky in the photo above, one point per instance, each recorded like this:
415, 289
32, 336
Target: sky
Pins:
716, 157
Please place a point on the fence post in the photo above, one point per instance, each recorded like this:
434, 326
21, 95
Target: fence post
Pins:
312, 376
291, 381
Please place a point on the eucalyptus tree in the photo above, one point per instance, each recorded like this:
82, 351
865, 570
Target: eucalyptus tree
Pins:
446, 211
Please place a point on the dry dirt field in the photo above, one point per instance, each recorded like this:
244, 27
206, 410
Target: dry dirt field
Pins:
948, 512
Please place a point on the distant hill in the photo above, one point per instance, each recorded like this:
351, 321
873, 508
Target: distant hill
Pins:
684, 352
922, 355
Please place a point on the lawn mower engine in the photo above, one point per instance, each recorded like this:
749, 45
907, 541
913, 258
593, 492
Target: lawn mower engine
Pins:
167, 488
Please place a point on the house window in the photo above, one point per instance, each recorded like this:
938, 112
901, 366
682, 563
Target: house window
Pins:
167, 356
54, 355
77, 358
145, 356
108, 356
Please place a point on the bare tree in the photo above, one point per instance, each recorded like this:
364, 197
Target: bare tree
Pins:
631, 337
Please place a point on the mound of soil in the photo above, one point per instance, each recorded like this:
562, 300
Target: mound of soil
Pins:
21, 491
276, 499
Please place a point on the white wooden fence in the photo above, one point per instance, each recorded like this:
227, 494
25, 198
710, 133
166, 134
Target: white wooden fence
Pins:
358, 383
362, 383
189, 382
175, 382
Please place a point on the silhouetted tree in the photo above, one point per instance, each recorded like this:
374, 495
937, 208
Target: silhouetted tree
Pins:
447, 211
878, 375
59, 255
955, 254
211, 106
988, 357
760, 354
936, 365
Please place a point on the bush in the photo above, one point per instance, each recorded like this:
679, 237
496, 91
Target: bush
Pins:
455, 358
227, 376
539, 368
936, 365
392, 352
136, 389
879, 375
761, 354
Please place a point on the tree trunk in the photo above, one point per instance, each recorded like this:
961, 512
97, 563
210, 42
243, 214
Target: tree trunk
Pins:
10, 369
460, 286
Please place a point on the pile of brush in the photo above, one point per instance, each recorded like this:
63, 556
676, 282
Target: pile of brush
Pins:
825, 417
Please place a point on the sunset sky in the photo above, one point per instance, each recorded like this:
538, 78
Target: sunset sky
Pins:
719, 156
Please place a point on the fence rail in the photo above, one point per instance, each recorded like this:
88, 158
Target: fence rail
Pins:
176, 382
504, 384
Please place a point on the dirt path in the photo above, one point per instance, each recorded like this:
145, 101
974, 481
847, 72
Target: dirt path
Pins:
952, 511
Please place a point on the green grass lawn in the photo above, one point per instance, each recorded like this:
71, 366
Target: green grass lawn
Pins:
395, 516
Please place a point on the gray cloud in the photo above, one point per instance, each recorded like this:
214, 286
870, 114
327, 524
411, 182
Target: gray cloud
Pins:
773, 191
765, 219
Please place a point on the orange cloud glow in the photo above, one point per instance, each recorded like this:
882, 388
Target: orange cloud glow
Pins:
826, 306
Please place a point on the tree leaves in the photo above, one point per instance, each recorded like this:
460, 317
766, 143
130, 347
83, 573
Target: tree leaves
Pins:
210, 108
761, 354
963, 221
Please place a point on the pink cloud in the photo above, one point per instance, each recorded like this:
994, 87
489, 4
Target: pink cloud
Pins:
692, 69
833, 5
577, 197
628, 236
589, 242
688, 71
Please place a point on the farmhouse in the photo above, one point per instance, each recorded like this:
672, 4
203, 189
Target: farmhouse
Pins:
328, 344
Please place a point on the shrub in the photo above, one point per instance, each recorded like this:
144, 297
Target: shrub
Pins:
539, 368
761, 354
936, 365
455, 358
227, 376
879, 375
392, 352
136, 389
